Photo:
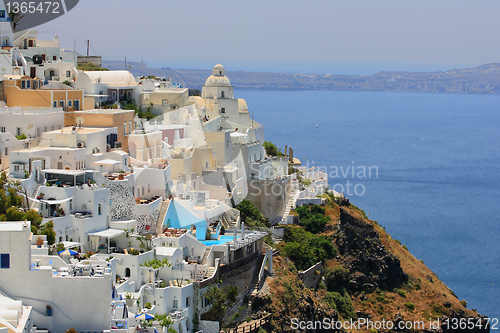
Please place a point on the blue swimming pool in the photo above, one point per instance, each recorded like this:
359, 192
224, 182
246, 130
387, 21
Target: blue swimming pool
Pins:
221, 241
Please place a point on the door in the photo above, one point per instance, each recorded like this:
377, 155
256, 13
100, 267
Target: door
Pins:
33, 72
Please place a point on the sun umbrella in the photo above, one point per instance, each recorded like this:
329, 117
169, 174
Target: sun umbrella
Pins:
68, 252
144, 316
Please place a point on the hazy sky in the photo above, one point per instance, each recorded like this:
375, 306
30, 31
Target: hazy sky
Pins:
315, 36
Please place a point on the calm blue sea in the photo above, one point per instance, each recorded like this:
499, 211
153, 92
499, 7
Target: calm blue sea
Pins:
438, 159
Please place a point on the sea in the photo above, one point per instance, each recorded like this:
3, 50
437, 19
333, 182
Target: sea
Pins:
426, 167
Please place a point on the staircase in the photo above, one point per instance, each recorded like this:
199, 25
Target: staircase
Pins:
253, 290
205, 255
161, 216
290, 205
35, 204
210, 271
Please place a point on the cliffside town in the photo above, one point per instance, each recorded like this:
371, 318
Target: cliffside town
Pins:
127, 205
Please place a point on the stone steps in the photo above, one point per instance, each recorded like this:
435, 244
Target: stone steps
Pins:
161, 216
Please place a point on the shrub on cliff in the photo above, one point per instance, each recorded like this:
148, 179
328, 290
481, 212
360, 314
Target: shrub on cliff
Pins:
341, 301
306, 249
336, 278
312, 217
251, 215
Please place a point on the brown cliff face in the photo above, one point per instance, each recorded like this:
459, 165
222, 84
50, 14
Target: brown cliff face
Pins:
384, 281
362, 253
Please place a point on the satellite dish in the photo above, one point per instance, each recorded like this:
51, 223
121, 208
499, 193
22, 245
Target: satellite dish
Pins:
80, 121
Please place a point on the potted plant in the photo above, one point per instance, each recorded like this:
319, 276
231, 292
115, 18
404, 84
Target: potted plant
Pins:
39, 242
49, 310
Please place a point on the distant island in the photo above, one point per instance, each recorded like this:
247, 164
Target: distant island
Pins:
484, 79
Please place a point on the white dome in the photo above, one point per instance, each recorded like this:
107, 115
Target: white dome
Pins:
218, 70
217, 81
242, 105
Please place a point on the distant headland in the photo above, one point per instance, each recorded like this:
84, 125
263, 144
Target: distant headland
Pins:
484, 79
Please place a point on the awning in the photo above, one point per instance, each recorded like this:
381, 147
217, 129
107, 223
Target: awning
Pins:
107, 162
108, 233
237, 134
55, 202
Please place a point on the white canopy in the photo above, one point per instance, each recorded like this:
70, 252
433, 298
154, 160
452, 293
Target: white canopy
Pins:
238, 134
107, 162
108, 233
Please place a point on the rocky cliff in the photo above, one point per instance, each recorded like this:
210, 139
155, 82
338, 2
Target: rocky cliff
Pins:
371, 277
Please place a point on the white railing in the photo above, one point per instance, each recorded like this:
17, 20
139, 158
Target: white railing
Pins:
177, 315
246, 240
29, 110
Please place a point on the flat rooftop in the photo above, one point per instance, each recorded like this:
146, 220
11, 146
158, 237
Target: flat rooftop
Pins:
12, 226
79, 130
103, 111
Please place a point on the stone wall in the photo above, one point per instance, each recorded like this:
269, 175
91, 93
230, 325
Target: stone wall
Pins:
238, 266
270, 197
310, 277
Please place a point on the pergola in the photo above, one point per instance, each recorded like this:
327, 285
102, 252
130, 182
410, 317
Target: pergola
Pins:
107, 233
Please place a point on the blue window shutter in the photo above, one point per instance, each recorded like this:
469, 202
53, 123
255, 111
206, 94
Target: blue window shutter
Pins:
5, 260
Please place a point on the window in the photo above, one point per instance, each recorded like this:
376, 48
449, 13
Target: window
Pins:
23, 84
52, 127
99, 210
176, 305
16, 167
55, 104
187, 301
6, 151
2, 129
2, 13
68, 73
69, 103
28, 84
61, 104
124, 128
70, 204
129, 127
19, 130
222, 110
52, 72
38, 132
44, 129
149, 188
5, 260
222, 94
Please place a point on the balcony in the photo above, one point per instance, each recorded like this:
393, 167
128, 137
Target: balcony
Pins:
178, 315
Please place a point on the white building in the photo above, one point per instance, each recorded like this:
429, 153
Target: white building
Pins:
67, 148
43, 58
30, 121
81, 302
8, 143
108, 85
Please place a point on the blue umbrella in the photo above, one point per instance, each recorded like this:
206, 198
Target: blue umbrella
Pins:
68, 252
144, 316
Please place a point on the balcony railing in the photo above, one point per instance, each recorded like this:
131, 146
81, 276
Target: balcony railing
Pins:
177, 315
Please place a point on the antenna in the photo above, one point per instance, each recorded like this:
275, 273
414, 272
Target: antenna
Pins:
125, 63
252, 120
142, 67
88, 45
